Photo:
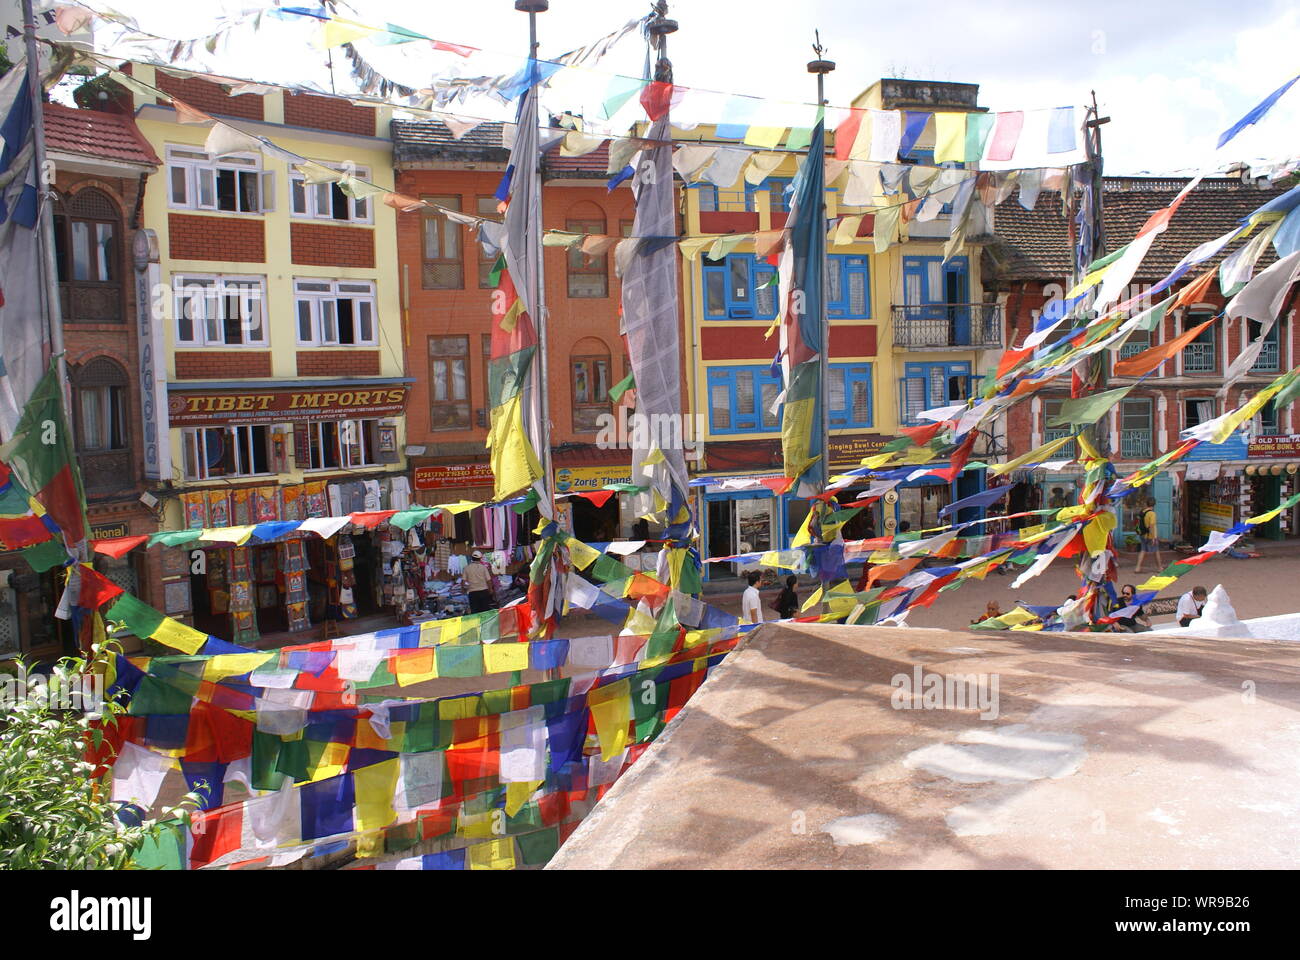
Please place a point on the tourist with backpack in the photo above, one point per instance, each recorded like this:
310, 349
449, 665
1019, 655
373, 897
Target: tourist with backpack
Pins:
1149, 536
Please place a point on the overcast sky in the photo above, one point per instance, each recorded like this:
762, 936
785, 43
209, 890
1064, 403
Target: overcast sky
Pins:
1171, 75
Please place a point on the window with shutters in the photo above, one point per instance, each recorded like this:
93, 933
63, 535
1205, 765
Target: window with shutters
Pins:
88, 255
235, 183
341, 444
1270, 354
328, 201
927, 385
743, 399
848, 287
741, 287
100, 424
1135, 429
591, 382
219, 311
1200, 356
848, 395
443, 267
335, 313
588, 276
211, 453
449, 383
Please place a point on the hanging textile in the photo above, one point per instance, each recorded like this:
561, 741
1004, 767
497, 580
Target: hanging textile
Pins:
803, 323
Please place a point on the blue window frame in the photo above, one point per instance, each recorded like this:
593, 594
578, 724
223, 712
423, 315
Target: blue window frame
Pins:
740, 400
926, 385
848, 395
776, 187
713, 199
742, 287
848, 285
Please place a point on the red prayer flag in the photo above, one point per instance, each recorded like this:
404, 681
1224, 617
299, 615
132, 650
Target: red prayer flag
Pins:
96, 589
118, 547
846, 133
1006, 134
598, 497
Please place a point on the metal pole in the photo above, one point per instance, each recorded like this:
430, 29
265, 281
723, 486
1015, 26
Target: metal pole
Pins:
821, 67
45, 221
533, 8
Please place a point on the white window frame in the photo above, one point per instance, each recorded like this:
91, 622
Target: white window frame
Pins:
316, 441
190, 452
199, 172
208, 331
314, 201
319, 297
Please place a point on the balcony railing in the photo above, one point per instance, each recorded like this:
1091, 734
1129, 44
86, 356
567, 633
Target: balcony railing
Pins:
1198, 358
1135, 444
91, 302
1269, 359
924, 326
1070, 450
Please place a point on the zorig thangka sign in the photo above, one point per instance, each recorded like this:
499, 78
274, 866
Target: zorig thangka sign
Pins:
587, 479
1275, 446
213, 407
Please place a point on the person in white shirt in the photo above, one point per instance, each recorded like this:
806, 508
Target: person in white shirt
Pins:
1190, 605
751, 607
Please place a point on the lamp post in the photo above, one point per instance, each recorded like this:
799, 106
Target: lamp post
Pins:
819, 68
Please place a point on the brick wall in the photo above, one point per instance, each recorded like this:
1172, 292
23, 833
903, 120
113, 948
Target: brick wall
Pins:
210, 97
227, 239
338, 363
328, 113
222, 364
328, 245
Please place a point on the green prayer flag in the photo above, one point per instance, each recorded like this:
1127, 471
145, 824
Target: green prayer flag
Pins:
46, 556
536, 849
140, 618
1088, 409
623, 386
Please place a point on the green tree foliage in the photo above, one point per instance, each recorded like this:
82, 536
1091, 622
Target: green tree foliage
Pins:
52, 814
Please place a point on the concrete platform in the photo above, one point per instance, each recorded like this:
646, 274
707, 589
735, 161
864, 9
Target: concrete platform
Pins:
1142, 751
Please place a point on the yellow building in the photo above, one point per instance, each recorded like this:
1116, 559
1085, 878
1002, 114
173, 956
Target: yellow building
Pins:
279, 325
907, 332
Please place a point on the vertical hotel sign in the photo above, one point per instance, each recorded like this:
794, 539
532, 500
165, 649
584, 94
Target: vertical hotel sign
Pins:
149, 317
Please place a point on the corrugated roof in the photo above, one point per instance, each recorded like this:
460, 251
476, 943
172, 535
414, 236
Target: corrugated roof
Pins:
109, 136
1035, 244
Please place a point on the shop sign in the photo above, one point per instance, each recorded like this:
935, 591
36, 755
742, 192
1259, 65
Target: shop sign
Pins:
1271, 446
587, 479
1234, 448
1214, 516
849, 451
283, 406
452, 476
109, 531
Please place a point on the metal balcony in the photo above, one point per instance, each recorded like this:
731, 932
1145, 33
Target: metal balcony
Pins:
1135, 444
1070, 450
1198, 358
1269, 359
936, 325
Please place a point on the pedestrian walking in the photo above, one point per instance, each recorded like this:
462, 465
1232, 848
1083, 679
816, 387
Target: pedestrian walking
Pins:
751, 607
786, 604
478, 584
1149, 536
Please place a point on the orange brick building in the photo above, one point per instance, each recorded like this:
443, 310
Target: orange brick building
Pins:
447, 306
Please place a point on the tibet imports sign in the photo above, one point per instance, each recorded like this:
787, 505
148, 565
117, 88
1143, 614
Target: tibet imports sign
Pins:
1288, 446
214, 408
447, 477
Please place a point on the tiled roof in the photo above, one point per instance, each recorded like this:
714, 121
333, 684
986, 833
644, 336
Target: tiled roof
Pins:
420, 140
1035, 244
91, 133
594, 164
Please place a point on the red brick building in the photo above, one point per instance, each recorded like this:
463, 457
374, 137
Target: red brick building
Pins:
102, 166
447, 301
1215, 486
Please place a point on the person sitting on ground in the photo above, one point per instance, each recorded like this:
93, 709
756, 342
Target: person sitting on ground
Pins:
751, 608
1190, 605
991, 612
1135, 622
787, 601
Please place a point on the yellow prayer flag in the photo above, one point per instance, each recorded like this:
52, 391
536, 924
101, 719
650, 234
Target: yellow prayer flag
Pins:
1017, 616
1033, 456
517, 795
333, 761
1096, 532
582, 555
494, 855
611, 708
949, 137
375, 786
505, 656
174, 634
1155, 583
232, 664
813, 599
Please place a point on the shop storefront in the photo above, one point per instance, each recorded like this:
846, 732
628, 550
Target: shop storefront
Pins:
585, 509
